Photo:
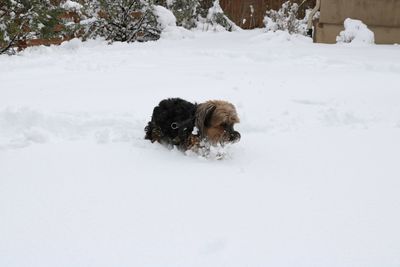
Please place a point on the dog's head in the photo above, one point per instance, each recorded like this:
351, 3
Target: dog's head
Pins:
215, 120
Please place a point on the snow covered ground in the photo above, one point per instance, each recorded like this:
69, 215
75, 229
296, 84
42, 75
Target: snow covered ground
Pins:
315, 180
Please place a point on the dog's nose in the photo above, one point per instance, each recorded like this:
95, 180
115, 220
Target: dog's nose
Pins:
234, 136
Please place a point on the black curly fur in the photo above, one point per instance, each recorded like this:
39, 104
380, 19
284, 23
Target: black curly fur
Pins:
168, 112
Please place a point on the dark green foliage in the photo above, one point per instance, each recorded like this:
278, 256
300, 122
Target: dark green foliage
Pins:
25, 20
185, 12
204, 6
220, 19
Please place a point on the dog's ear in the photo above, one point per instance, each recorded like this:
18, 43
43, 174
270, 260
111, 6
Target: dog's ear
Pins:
203, 116
209, 113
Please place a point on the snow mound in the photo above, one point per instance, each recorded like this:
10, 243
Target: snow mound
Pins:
167, 22
73, 45
165, 17
281, 37
355, 32
176, 33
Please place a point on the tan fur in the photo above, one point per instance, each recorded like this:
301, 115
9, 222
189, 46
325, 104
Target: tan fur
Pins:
222, 112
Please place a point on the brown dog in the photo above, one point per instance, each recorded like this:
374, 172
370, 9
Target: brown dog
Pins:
186, 125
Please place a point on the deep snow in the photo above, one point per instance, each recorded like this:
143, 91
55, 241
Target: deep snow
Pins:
313, 182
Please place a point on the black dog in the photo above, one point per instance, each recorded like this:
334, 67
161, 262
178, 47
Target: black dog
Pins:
177, 122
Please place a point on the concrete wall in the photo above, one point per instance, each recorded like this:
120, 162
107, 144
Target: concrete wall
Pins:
381, 16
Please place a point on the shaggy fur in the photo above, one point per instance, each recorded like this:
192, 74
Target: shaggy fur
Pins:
174, 120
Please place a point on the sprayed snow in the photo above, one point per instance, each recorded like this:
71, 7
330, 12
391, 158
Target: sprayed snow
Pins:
355, 32
314, 180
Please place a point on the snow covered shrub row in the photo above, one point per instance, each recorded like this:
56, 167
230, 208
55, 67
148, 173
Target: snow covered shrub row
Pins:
140, 20
22, 21
30, 22
285, 19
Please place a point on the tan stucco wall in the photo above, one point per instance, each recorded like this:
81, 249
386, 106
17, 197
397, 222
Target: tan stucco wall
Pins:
371, 12
381, 16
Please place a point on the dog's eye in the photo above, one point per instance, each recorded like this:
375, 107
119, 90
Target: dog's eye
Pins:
223, 125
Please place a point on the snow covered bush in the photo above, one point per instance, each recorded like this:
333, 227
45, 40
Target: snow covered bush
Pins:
121, 20
202, 14
285, 19
355, 31
215, 20
22, 21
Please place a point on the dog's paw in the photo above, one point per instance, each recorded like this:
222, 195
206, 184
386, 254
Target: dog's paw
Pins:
156, 134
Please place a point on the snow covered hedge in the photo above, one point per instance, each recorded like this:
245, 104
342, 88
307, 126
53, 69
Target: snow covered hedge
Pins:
140, 20
35, 22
